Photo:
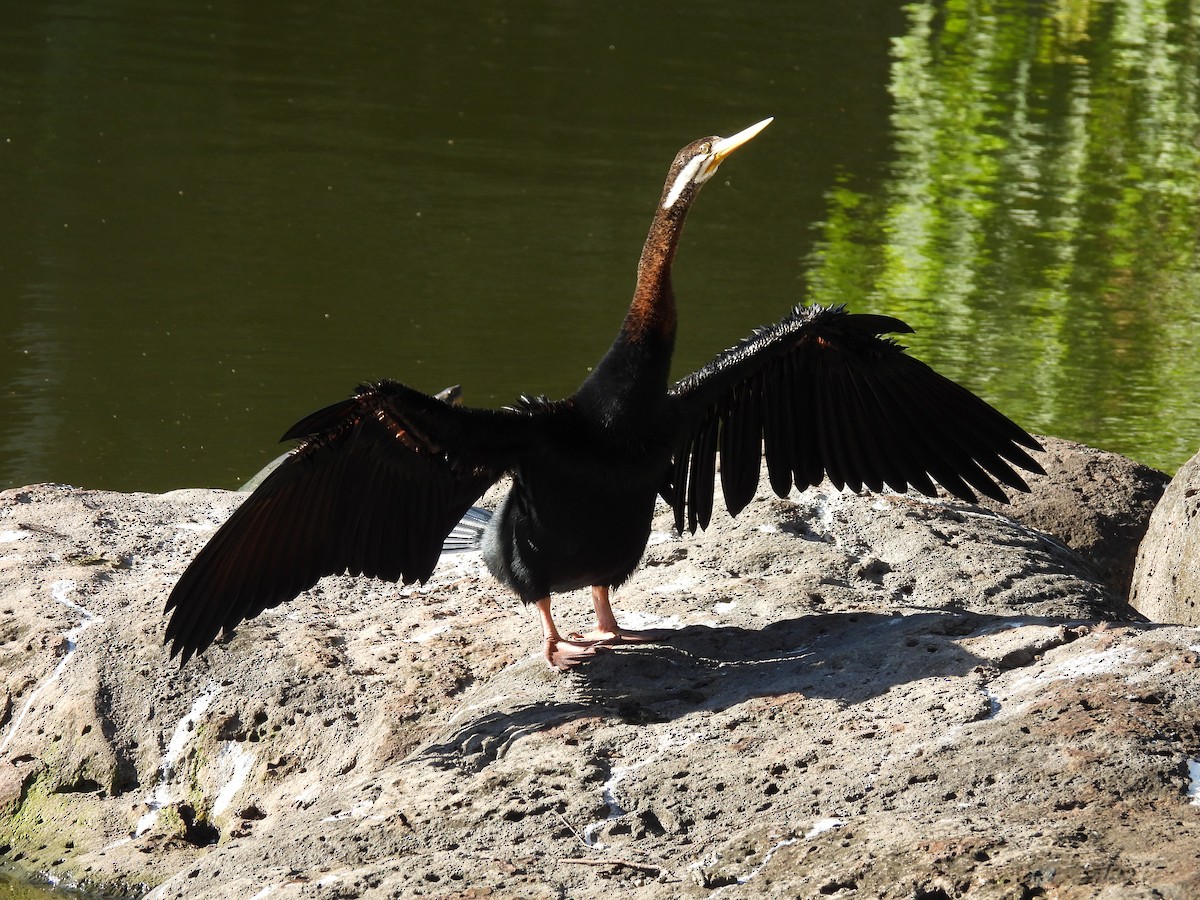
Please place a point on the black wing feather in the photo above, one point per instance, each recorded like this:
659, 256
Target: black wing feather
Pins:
824, 395
776, 405
740, 441
703, 473
879, 465
864, 466
832, 429
374, 487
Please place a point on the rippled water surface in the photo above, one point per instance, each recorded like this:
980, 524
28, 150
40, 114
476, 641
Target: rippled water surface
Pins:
220, 217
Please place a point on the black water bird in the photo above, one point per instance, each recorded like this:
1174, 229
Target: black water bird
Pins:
378, 480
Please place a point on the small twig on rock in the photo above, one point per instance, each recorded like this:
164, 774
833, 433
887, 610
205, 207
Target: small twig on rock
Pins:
571, 828
641, 867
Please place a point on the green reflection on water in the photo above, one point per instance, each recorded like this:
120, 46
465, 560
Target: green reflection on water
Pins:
1039, 223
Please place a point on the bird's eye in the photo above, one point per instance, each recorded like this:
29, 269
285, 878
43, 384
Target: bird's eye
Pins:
706, 147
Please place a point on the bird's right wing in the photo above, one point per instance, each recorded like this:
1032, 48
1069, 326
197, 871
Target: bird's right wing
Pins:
824, 395
374, 487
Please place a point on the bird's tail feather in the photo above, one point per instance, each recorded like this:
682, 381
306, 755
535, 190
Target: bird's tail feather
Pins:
468, 533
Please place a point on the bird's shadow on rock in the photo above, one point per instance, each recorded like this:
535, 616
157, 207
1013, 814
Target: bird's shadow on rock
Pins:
847, 657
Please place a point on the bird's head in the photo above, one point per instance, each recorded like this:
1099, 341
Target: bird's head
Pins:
698, 162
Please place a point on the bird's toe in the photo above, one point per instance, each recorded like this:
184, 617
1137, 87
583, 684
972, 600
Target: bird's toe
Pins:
566, 655
623, 636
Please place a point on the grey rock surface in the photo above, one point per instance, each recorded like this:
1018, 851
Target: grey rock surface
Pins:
1166, 582
866, 696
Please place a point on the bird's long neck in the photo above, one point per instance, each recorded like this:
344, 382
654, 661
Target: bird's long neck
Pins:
629, 383
652, 312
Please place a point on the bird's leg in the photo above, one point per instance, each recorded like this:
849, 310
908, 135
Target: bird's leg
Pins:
608, 631
560, 653
606, 620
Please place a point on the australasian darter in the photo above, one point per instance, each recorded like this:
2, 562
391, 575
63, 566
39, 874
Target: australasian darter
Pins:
378, 480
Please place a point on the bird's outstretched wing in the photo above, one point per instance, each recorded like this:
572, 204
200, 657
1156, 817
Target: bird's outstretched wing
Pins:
374, 487
825, 396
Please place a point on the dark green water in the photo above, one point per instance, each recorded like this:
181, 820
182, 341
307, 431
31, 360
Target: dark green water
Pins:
220, 216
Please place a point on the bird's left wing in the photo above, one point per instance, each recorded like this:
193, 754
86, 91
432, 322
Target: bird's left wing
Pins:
826, 396
373, 488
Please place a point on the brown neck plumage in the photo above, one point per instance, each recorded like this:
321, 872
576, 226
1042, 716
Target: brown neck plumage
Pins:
652, 311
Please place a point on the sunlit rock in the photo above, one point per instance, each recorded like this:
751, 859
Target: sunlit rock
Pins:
863, 691
1166, 583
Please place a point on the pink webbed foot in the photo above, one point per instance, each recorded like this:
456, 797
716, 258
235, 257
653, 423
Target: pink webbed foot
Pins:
623, 636
565, 655
608, 633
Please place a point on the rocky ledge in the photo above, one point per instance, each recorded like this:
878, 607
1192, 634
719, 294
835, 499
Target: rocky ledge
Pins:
873, 696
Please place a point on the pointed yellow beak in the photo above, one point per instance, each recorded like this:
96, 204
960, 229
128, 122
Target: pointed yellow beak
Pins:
726, 146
